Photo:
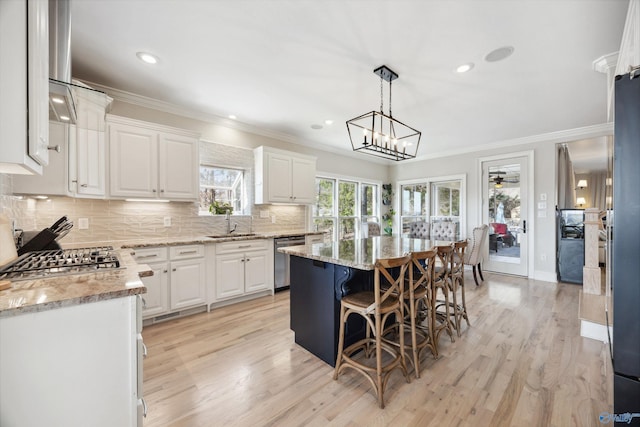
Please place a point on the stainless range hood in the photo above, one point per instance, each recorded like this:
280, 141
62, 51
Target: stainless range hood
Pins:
61, 104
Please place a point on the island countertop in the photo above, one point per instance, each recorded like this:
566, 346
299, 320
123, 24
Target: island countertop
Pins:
30, 296
362, 253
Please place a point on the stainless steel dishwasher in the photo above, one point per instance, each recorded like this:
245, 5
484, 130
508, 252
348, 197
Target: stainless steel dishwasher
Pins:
281, 261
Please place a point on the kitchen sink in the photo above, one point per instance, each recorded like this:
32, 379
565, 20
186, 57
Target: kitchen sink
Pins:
224, 236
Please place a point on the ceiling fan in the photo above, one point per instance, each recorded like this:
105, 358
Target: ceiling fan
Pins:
499, 179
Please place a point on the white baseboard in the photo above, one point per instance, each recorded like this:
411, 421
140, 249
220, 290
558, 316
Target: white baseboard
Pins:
595, 331
545, 276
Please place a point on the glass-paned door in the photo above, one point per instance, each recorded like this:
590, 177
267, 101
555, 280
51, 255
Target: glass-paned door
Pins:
505, 211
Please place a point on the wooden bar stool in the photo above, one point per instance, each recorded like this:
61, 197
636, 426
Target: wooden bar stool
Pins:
456, 282
376, 307
441, 283
421, 301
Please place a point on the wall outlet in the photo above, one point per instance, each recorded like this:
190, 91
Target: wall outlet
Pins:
543, 257
167, 221
543, 197
273, 219
264, 214
83, 223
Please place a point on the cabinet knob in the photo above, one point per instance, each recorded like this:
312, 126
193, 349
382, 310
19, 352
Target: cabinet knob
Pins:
165, 270
162, 190
173, 269
154, 190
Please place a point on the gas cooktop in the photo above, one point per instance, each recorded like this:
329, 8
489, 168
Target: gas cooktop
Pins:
42, 264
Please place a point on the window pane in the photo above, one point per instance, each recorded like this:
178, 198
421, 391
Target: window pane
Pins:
369, 200
324, 224
347, 198
414, 199
324, 197
221, 185
347, 228
446, 198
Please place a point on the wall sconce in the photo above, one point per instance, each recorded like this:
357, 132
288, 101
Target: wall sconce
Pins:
582, 184
580, 201
609, 201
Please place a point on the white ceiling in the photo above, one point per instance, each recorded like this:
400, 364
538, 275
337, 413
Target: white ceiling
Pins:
284, 65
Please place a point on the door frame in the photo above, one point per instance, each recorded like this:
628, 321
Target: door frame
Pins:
529, 154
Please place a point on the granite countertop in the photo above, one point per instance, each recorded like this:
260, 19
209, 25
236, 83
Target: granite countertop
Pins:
362, 253
198, 240
30, 296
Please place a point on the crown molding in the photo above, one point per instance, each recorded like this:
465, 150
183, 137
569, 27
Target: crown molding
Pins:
167, 107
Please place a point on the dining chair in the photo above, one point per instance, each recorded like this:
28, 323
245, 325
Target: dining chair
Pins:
377, 307
443, 230
474, 256
371, 229
419, 230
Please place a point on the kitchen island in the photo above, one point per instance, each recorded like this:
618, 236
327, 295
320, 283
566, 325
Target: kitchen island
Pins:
322, 273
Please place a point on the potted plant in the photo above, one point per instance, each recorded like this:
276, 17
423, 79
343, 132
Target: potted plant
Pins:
220, 208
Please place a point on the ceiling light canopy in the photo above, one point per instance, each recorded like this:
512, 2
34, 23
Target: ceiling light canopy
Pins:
381, 135
147, 57
499, 54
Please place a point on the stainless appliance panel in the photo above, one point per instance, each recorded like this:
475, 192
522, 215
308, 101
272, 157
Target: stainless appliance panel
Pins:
281, 261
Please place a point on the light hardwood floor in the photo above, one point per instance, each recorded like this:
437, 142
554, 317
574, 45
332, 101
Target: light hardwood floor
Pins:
521, 363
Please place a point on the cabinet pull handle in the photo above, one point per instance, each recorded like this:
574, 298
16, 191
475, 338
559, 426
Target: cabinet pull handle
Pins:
248, 259
154, 190
173, 269
244, 246
146, 256
165, 270
144, 407
188, 252
144, 351
162, 190
55, 148
132, 253
84, 185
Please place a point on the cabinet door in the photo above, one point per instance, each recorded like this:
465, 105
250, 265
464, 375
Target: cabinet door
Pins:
229, 275
187, 283
38, 69
255, 271
90, 162
278, 178
157, 296
133, 159
303, 183
179, 167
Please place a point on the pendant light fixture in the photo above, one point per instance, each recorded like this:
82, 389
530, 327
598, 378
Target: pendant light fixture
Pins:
381, 135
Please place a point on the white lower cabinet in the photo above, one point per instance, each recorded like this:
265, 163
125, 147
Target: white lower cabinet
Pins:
243, 267
77, 365
178, 280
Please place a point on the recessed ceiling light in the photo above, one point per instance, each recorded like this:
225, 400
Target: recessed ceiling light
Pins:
57, 100
465, 67
316, 127
499, 54
147, 57
328, 122
232, 116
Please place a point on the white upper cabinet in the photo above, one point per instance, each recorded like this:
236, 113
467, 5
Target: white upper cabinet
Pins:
88, 157
284, 177
152, 161
24, 85
79, 168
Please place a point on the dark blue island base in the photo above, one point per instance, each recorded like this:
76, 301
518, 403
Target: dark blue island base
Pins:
316, 290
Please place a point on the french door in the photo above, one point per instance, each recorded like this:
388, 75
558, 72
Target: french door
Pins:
505, 206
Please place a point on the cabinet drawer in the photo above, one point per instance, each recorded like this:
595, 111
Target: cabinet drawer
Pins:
147, 255
314, 238
185, 252
242, 246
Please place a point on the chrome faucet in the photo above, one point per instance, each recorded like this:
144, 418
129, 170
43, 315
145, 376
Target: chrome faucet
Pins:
227, 217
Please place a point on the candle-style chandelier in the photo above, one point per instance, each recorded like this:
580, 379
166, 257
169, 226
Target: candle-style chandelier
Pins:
381, 135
